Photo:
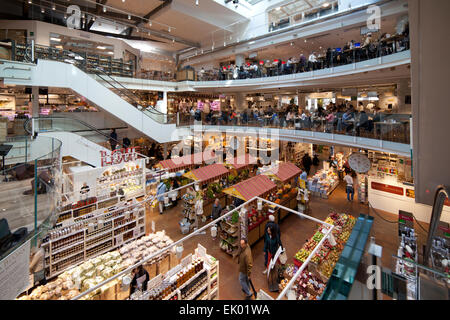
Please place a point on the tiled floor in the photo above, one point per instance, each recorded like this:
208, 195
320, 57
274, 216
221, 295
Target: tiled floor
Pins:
294, 232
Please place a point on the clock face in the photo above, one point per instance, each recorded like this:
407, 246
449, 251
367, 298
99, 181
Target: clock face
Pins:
359, 162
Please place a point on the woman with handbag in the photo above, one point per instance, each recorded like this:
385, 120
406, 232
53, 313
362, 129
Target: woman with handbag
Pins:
271, 244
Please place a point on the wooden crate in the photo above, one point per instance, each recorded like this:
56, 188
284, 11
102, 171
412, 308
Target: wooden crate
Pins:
109, 293
151, 269
164, 265
253, 236
122, 293
173, 260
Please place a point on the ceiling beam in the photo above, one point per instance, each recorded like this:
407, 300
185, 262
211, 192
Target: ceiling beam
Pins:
122, 36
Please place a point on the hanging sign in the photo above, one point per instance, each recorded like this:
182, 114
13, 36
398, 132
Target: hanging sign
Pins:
118, 156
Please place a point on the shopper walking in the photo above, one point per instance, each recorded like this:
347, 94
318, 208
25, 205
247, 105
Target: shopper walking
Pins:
113, 139
350, 190
271, 244
271, 224
198, 209
216, 209
307, 162
160, 191
245, 268
316, 162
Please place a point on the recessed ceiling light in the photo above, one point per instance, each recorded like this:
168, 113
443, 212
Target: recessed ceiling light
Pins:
110, 52
129, 17
55, 39
150, 23
196, 2
278, 9
101, 47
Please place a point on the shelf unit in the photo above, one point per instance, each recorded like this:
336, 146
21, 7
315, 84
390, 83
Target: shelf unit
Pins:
210, 286
86, 244
111, 66
227, 227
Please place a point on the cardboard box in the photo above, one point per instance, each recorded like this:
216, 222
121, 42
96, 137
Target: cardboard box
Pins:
173, 260
164, 265
151, 269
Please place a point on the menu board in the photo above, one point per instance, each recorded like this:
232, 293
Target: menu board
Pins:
14, 275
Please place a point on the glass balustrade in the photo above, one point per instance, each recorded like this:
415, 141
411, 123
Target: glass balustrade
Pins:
29, 188
381, 126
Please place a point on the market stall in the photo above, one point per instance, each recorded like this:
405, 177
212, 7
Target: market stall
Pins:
188, 161
209, 179
312, 282
285, 175
323, 183
242, 162
258, 186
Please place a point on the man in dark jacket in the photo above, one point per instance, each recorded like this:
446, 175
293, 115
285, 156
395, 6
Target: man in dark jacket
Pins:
216, 209
307, 162
245, 268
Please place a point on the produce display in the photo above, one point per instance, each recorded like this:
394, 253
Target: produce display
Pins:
323, 262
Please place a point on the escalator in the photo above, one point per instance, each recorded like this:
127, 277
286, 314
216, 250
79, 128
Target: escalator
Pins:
79, 139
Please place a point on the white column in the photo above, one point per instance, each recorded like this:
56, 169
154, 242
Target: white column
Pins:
239, 59
240, 102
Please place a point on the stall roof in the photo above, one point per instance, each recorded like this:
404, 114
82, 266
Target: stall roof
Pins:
188, 161
242, 161
250, 188
208, 173
285, 171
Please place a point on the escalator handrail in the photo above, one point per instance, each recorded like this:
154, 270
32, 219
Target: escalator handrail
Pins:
442, 193
92, 128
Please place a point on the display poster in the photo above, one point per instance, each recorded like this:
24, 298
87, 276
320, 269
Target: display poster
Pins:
215, 105
387, 188
200, 105
14, 273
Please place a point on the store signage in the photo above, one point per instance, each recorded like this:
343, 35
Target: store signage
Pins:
118, 156
215, 105
387, 188
404, 218
14, 275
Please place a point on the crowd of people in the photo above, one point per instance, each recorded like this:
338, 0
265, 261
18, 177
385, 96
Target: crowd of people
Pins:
369, 48
344, 118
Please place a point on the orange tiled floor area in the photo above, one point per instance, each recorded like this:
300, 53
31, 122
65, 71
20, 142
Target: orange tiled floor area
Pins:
294, 232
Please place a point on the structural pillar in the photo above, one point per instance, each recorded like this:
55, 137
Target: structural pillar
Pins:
239, 59
429, 25
240, 102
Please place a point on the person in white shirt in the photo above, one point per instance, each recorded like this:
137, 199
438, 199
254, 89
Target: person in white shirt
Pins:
350, 189
312, 61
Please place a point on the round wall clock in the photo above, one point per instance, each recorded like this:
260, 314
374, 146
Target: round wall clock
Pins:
359, 162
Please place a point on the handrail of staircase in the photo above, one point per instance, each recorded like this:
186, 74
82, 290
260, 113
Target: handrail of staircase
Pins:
26, 126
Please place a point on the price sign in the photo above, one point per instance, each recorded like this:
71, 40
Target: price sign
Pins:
153, 226
201, 251
187, 260
119, 239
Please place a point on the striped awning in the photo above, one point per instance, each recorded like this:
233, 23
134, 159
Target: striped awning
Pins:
242, 161
207, 173
285, 171
258, 186
188, 161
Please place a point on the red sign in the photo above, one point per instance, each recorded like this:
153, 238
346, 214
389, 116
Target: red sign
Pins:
406, 218
387, 188
118, 156
447, 202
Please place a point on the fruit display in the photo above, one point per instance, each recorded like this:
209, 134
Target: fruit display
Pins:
308, 286
323, 262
